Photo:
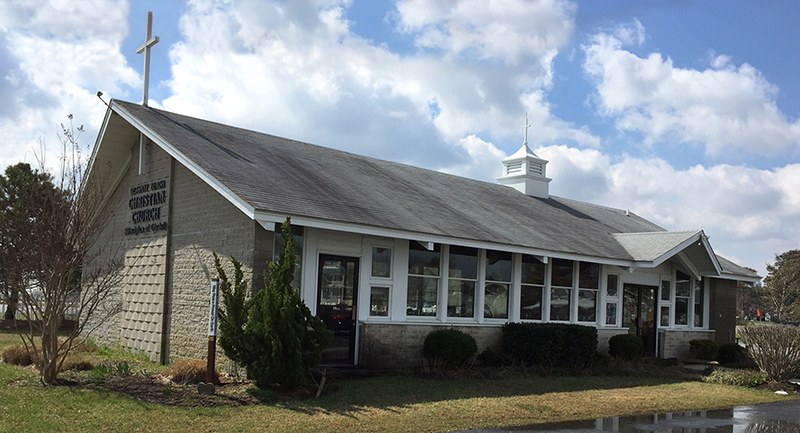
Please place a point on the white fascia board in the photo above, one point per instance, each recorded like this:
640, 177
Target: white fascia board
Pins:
266, 219
711, 253
734, 277
100, 136
188, 163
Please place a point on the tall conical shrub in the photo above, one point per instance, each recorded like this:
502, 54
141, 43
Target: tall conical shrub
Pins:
280, 340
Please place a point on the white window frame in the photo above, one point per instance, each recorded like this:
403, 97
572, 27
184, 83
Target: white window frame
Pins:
381, 282
484, 262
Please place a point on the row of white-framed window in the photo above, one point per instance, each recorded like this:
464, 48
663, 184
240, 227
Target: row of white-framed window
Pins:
564, 291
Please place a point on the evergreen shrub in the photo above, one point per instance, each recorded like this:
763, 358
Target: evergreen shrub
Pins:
731, 353
627, 347
449, 348
494, 358
273, 335
703, 349
550, 345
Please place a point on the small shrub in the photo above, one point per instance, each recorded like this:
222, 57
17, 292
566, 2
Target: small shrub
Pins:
123, 368
77, 363
17, 355
449, 348
739, 378
627, 347
703, 349
188, 371
494, 358
100, 371
731, 353
550, 345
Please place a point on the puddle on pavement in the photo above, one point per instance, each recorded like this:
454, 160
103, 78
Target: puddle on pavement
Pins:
780, 417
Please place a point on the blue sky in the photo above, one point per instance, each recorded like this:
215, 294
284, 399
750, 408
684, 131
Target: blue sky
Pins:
685, 112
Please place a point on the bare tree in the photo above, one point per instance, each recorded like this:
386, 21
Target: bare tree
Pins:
64, 238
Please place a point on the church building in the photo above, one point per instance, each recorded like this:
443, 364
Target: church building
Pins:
386, 252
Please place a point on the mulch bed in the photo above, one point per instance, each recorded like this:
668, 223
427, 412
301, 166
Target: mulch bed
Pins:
228, 393
779, 386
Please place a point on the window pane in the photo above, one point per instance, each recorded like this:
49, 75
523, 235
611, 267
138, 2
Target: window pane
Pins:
463, 262
461, 298
495, 301
682, 285
562, 273
422, 261
666, 290
498, 266
532, 270
612, 282
531, 305
681, 311
422, 294
559, 304
589, 277
379, 301
698, 303
381, 262
611, 313
665, 316
587, 306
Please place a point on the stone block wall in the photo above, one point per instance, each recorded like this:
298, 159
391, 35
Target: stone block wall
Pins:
139, 299
675, 344
400, 345
203, 222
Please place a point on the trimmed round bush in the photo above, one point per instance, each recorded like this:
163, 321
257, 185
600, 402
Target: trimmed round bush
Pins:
626, 346
703, 349
449, 347
731, 353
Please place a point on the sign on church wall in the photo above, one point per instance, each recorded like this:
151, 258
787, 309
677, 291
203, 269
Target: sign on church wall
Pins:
147, 208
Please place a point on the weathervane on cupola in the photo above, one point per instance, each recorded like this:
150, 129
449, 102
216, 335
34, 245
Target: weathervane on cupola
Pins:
524, 171
148, 42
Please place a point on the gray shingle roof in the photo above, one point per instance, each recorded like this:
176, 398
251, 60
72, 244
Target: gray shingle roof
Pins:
288, 177
651, 246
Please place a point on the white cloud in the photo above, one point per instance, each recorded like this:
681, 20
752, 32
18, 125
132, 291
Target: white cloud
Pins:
748, 213
56, 55
284, 67
509, 30
730, 110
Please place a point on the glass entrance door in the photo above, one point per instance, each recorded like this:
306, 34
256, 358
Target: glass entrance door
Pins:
638, 314
337, 291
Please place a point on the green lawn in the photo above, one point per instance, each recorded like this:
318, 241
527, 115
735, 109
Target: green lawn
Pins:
383, 404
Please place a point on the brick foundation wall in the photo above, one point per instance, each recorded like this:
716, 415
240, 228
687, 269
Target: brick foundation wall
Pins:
675, 344
400, 345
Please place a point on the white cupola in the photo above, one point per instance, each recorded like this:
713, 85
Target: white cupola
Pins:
526, 172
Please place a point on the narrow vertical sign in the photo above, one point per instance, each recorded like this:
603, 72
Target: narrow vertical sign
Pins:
212, 334
212, 315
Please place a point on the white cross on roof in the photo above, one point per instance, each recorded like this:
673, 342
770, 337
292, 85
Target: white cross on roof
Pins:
148, 42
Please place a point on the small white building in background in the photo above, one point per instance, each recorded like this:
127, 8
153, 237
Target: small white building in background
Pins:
386, 252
